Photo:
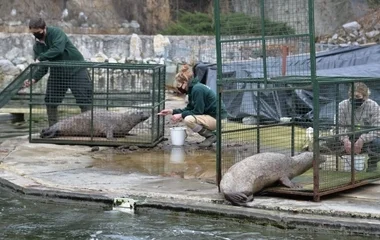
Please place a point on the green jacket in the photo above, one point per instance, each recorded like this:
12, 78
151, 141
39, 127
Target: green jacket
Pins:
202, 101
56, 47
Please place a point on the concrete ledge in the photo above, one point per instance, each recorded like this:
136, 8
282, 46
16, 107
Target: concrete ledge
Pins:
283, 220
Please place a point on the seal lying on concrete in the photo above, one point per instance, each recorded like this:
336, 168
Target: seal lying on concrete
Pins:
105, 124
256, 172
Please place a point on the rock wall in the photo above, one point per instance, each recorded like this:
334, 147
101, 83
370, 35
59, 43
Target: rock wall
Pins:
365, 30
328, 14
16, 51
177, 48
143, 16
87, 16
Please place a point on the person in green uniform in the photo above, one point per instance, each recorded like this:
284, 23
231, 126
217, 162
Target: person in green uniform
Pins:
200, 113
52, 44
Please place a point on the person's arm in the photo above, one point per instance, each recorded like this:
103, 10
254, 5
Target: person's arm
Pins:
373, 110
41, 71
188, 107
58, 46
199, 104
342, 120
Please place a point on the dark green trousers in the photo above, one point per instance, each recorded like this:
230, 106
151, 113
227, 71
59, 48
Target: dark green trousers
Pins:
59, 81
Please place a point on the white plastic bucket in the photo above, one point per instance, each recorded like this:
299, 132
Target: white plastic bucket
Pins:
359, 162
178, 136
330, 163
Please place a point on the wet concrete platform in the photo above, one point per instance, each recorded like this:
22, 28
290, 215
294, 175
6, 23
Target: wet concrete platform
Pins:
163, 179
78, 173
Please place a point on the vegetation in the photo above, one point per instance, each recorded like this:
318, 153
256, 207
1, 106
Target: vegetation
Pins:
373, 3
190, 24
232, 24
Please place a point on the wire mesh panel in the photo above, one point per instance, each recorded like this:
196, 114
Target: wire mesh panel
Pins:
276, 103
98, 103
349, 133
258, 81
266, 42
263, 118
343, 164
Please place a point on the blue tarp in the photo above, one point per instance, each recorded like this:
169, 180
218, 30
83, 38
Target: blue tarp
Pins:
353, 61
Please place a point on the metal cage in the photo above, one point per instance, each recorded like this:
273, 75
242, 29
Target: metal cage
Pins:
97, 103
262, 89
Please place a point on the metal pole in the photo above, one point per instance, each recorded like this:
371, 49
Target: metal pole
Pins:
316, 90
263, 41
219, 93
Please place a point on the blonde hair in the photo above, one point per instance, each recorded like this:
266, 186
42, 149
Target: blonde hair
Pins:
184, 75
360, 87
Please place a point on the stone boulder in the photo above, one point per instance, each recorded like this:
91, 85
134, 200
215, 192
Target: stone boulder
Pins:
7, 68
160, 43
135, 49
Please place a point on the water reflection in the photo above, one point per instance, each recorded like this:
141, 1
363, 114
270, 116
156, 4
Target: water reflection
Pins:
175, 162
177, 155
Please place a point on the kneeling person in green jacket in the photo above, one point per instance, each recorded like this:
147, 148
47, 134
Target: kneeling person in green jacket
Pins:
200, 113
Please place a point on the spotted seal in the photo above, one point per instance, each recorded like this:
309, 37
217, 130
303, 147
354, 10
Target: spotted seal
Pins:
105, 124
252, 174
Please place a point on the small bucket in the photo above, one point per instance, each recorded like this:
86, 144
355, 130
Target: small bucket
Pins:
359, 162
178, 136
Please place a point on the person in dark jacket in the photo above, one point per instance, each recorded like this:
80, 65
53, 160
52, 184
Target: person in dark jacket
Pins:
200, 113
52, 44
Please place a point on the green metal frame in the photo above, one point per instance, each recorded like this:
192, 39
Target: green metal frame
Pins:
284, 83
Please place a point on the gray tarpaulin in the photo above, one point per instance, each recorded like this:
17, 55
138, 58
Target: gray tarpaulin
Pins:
353, 61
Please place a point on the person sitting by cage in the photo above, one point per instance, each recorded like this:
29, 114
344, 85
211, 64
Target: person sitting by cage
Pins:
366, 114
52, 44
200, 113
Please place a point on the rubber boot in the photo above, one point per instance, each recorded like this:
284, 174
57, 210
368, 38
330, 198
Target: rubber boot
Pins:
52, 114
209, 135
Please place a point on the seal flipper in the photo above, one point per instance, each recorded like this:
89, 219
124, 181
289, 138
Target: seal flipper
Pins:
239, 198
287, 183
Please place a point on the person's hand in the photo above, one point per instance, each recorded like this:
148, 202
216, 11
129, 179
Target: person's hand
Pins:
347, 146
165, 112
28, 83
176, 117
358, 146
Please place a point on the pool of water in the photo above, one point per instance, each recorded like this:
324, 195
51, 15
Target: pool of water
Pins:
25, 218
175, 162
